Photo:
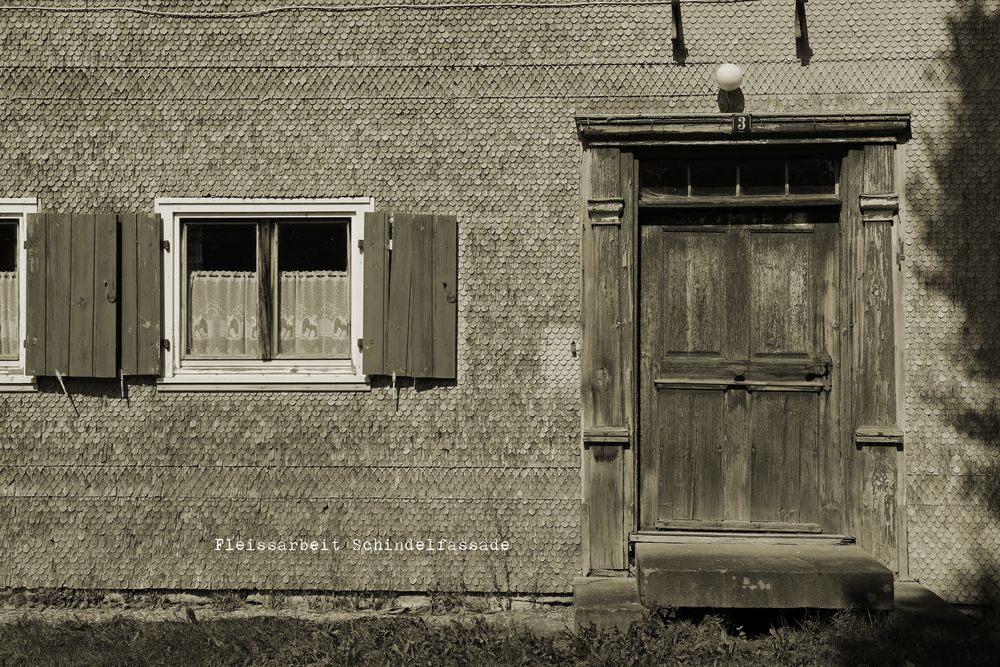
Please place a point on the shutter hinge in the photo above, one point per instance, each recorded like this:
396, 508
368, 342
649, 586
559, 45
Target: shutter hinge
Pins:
361, 343
165, 344
165, 245
361, 245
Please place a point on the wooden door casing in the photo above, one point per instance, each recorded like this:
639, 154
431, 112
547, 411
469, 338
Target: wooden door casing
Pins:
737, 342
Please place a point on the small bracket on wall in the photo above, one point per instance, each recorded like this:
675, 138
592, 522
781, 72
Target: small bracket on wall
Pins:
606, 435
802, 49
878, 436
605, 211
879, 208
680, 51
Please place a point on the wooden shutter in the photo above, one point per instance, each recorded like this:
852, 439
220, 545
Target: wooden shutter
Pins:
72, 294
411, 295
141, 294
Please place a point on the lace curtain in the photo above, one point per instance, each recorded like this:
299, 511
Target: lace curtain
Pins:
223, 314
315, 314
8, 315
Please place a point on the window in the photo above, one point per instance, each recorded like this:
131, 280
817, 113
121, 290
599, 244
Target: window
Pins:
740, 179
13, 219
263, 292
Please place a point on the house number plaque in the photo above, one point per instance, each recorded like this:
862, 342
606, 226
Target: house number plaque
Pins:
742, 123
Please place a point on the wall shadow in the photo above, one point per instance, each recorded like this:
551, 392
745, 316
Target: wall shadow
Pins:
954, 198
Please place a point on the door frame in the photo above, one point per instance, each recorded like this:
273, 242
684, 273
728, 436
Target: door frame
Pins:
871, 433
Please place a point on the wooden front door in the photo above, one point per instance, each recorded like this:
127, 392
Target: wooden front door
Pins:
737, 342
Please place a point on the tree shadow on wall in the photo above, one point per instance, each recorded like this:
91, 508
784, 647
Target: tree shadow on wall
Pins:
955, 196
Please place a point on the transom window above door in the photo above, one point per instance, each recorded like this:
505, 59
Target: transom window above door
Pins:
684, 181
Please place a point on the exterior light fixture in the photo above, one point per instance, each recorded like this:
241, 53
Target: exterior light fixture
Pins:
729, 76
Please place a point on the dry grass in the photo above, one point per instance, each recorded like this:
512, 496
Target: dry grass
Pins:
273, 640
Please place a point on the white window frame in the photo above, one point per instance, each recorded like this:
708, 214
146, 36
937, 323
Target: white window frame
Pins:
181, 374
12, 377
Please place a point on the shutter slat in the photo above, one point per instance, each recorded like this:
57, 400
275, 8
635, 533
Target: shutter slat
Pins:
420, 344
149, 291
58, 268
400, 276
35, 306
105, 295
128, 296
81, 314
375, 292
445, 296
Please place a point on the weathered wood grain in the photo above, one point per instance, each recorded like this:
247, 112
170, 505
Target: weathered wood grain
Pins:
35, 308
708, 431
602, 344
629, 240
400, 277
607, 539
737, 457
604, 347
874, 475
81, 312
740, 361
264, 294
105, 324
376, 284
129, 296
421, 328
149, 294
445, 297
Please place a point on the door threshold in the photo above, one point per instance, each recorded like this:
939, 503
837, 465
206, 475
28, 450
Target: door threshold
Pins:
708, 536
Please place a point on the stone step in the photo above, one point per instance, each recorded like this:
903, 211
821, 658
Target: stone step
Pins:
754, 575
606, 603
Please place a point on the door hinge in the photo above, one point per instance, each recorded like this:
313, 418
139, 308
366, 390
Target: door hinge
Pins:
165, 245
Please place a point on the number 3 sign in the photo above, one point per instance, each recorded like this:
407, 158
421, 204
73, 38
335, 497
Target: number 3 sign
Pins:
742, 123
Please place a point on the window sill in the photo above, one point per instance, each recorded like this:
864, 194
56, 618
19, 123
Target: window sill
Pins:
16, 383
213, 381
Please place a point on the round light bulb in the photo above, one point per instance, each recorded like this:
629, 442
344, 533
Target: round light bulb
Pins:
729, 76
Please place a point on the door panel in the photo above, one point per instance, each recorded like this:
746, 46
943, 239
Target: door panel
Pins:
780, 298
735, 361
693, 315
692, 426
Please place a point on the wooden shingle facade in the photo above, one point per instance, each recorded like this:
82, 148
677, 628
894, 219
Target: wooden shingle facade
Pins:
547, 313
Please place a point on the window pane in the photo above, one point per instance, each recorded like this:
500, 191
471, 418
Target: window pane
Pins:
810, 176
762, 177
713, 177
222, 288
663, 178
9, 300
314, 289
